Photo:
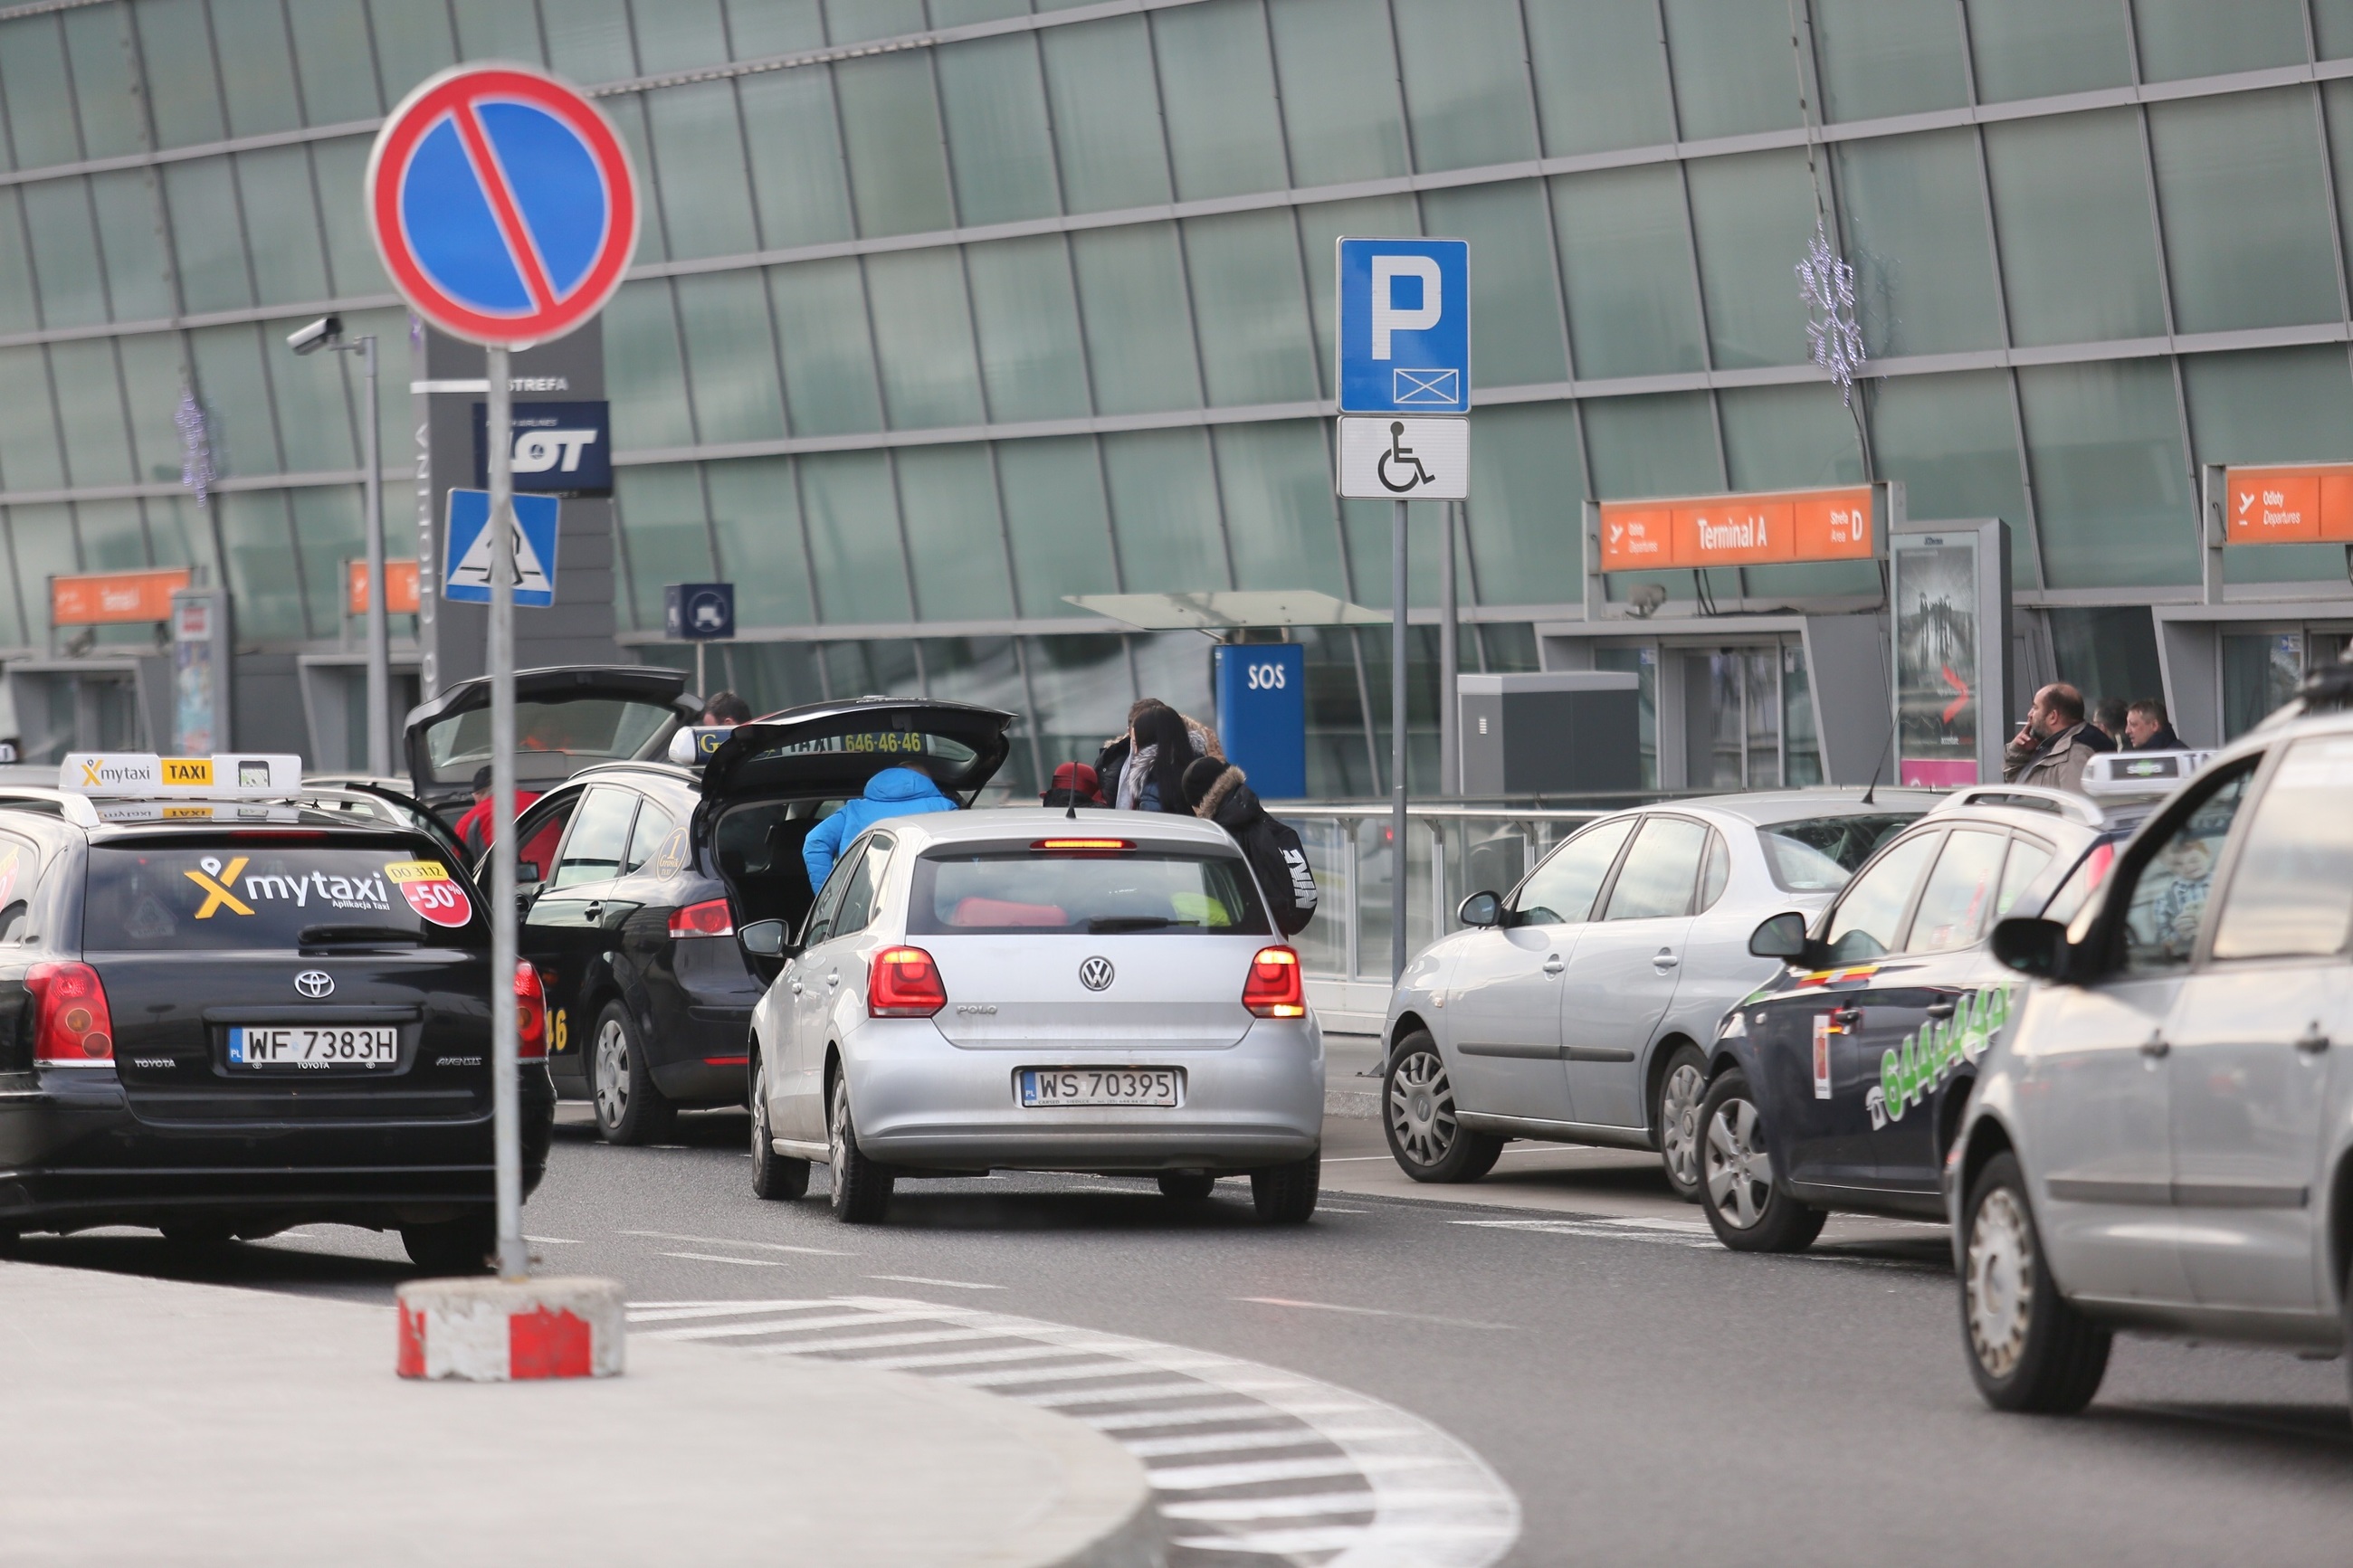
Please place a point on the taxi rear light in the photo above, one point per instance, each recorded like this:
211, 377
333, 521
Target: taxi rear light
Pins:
2103, 855
1274, 989
1082, 845
903, 983
531, 1013
75, 1029
709, 919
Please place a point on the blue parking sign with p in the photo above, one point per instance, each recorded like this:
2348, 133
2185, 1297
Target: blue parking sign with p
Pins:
1404, 326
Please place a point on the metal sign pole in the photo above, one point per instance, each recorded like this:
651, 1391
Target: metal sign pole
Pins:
1449, 743
513, 1262
379, 615
1396, 741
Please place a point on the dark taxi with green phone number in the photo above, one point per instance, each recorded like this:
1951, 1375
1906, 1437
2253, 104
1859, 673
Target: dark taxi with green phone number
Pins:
1836, 1087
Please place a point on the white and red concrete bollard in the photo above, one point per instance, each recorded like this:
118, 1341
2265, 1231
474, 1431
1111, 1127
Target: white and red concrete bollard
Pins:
494, 1330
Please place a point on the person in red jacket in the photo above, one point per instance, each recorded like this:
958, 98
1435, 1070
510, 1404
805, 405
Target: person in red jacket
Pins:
474, 829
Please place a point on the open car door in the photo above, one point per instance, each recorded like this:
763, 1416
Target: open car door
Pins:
568, 718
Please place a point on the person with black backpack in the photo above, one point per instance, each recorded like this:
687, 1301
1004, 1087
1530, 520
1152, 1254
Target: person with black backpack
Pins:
1220, 792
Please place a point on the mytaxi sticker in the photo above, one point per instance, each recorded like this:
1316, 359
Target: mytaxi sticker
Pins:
417, 871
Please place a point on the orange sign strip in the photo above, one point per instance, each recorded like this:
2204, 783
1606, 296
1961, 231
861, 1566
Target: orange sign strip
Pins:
115, 599
401, 574
2308, 504
1775, 528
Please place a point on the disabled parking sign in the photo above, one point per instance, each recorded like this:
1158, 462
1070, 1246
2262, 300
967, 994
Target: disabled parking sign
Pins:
1404, 342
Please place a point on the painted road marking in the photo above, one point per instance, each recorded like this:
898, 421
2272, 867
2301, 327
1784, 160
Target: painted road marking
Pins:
714, 1258
1702, 1238
1368, 1311
1375, 1487
731, 1241
919, 1279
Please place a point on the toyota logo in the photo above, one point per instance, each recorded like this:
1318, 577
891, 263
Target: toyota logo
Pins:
315, 984
1095, 975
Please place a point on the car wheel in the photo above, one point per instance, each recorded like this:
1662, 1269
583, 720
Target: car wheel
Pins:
1681, 1086
774, 1175
1187, 1186
1286, 1194
453, 1246
1426, 1136
630, 1109
2029, 1350
862, 1189
1745, 1206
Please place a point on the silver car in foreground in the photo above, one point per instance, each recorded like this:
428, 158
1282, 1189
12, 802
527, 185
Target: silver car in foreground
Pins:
2163, 1137
1577, 1007
977, 990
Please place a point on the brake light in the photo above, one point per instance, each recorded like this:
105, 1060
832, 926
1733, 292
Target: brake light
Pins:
710, 918
1274, 989
75, 1028
1082, 845
531, 1013
903, 983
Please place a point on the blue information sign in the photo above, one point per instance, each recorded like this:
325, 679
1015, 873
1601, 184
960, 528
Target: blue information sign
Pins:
698, 612
1262, 715
1405, 326
468, 549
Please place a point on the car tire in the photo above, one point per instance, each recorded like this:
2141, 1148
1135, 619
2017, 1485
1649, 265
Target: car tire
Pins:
1286, 1194
630, 1109
2029, 1350
862, 1189
1683, 1085
1745, 1206
1426, 1137
773, 1176
453, 1246
1187, 1186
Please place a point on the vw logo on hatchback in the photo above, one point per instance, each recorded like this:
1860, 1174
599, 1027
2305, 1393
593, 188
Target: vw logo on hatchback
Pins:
315, 982
1095, 975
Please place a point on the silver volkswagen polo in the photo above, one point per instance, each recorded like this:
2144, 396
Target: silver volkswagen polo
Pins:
1036, 990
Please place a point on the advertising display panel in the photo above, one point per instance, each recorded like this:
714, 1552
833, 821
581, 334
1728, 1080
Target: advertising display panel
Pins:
1950, 586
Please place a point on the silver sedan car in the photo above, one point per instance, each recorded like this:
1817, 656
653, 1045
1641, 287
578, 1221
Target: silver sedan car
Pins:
977, 991
1575, 1008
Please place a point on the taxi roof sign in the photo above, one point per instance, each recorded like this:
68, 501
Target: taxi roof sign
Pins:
2113, 773
144, 775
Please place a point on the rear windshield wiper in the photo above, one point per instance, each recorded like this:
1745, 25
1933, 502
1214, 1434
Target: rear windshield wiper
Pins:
358, 936
1102, 923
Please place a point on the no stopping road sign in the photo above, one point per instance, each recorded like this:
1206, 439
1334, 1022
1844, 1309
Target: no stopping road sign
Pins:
502, 203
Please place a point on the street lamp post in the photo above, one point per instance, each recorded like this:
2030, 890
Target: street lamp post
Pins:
327, 332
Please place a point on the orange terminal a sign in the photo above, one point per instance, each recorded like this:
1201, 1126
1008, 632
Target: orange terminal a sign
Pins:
2311, 503
401, 574
1774, 528
115, 599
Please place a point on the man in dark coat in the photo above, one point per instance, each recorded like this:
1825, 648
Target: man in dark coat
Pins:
1219, 791
2147, 729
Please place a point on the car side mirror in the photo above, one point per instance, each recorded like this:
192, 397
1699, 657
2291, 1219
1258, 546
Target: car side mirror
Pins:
763, 939
2033, 946
1783, 936
1481, 909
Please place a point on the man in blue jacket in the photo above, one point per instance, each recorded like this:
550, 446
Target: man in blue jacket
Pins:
893, 792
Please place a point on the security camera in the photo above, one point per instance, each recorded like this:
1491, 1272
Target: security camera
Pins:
1645, 600
317, 335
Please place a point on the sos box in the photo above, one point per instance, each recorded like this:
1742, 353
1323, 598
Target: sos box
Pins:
1262, 714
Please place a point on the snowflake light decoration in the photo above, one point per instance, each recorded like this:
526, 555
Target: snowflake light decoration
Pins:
1826, 284
196, 447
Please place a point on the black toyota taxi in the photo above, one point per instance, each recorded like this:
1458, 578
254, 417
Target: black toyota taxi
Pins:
225, 1012
1836, 1086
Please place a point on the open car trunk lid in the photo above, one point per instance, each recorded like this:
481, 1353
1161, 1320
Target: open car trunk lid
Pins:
827, 751
568, 718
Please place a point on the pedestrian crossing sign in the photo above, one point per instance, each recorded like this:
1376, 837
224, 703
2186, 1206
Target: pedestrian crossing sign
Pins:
468, 541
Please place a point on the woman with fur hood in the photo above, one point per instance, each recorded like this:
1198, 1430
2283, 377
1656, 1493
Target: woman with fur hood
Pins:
1220, 792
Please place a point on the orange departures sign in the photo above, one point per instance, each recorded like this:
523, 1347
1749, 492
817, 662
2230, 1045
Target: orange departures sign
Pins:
115, 599
1806, 525
1737, 530
401, 574
2310, 504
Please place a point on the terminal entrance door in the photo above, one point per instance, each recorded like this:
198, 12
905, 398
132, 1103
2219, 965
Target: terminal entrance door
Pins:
95, 708
1751, 711
2262, 667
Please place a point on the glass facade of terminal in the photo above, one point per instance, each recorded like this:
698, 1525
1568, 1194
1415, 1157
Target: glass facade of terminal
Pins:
949, 310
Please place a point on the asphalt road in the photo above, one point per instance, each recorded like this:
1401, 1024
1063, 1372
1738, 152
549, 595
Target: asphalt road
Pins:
1644, 1395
